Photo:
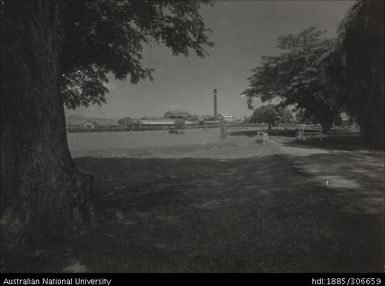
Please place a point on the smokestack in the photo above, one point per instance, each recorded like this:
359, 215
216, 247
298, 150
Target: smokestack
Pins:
215, 103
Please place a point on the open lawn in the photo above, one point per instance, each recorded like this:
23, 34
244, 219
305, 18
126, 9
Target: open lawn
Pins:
227, 206
139, 139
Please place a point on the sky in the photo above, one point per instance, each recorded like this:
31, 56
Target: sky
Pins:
243, 31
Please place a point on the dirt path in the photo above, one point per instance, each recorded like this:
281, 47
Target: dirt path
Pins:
232, 206
357, 177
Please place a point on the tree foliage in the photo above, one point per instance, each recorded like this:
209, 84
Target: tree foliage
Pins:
107, 37
303, 116
359, 67
297, 75
179, 124
271, 114
125, 121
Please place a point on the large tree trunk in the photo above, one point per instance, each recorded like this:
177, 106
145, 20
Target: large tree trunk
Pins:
326, 125
373, 133
43, 195
326, 118
370, 116
372, 119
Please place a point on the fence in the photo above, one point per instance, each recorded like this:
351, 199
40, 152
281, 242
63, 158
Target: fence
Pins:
161, 127
308, 132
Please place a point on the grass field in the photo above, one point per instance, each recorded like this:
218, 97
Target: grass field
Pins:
139, 139
225, 206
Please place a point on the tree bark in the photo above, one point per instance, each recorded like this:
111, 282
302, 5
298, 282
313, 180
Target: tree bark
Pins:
373, 133
325, 116
326, 124
43, 195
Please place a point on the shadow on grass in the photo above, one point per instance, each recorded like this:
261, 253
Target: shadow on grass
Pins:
205, 215
356, 179
248, 133
348, 143
273, 132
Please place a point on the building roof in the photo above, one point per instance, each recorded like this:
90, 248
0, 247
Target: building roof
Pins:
177, 113
156, 121
105, 122
208, 117
154, 118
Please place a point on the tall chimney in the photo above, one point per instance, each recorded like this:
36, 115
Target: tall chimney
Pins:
215, 103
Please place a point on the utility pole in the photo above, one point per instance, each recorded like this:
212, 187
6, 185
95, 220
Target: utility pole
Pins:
215, 104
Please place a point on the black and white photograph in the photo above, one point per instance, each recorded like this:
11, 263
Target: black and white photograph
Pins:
195, 136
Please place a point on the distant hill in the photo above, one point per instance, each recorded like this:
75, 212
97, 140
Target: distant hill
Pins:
75, 120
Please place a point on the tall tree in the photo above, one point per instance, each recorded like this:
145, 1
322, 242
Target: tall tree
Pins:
285, 115
303, 116
125, 121
179, 124
54, 52
361, 67
271, 114
297, 76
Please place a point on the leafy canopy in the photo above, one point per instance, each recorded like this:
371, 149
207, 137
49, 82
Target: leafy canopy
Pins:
179, 123
296, 76
106, 36
271, 114
361, 66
